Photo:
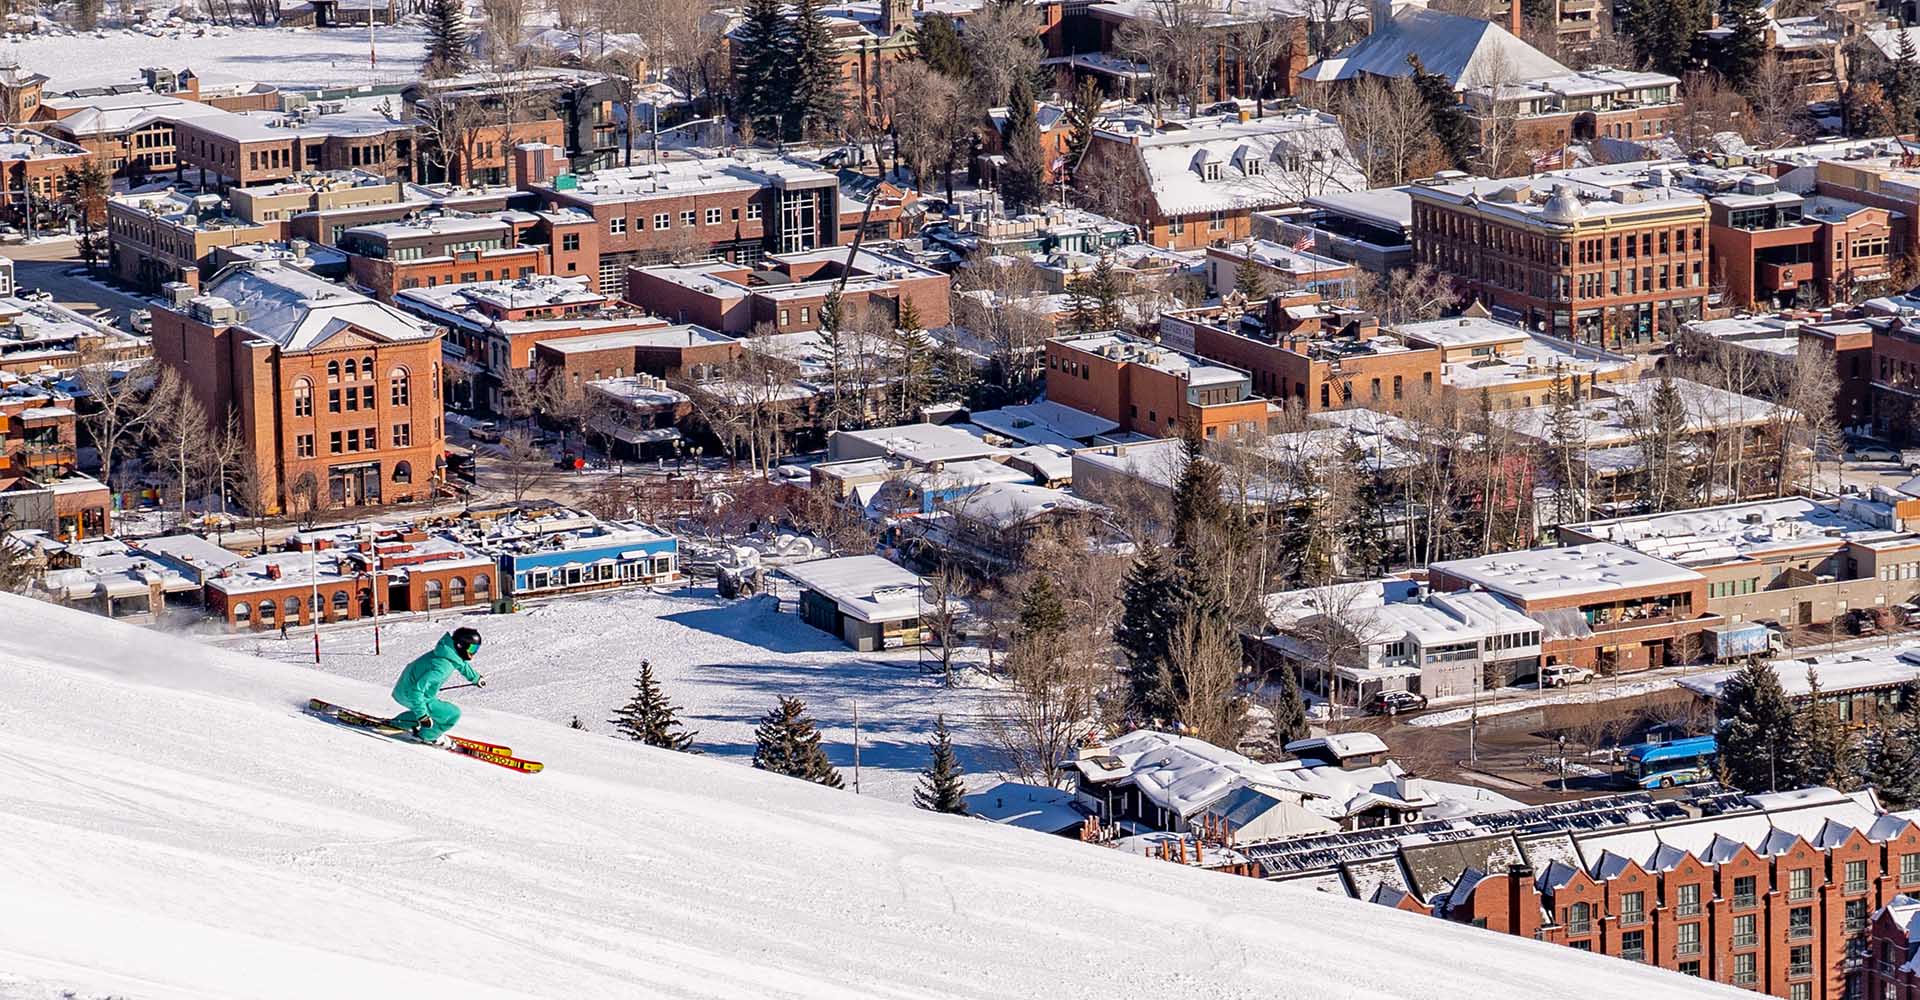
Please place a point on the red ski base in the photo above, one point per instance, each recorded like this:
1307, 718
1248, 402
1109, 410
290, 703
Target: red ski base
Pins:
493, 753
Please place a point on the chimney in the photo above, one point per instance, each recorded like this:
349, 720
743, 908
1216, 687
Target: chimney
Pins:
273, 571
1380, 14
1513, 16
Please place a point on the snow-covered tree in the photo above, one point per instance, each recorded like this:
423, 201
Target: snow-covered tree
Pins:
1756, 732
762, 94
787, 743
1889, 762
1822, 750
447, 51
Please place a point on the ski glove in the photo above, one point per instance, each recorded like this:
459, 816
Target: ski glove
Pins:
480, 682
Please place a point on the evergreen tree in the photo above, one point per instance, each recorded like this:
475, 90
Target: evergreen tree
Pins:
913, 350
1250, 283
1451, 126
1289, 709
1041, 612
84, 191
1902, 86
1148, 610
762, 95
1889, 764
1566, 439
1082, 115
1663, 31
953, 377
1198, 509
787, 743
1083, 310
575, 723
1756, 730
1737, 53
1869, 113
447, 52
941, 789
1666, 456
1363, 527
1822, 749
1023, 179
939, 46
648, 717
817, 103
1104, 288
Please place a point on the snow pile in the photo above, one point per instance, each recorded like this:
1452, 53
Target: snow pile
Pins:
175, 827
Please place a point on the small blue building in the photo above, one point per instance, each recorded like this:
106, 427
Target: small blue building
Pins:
568, 551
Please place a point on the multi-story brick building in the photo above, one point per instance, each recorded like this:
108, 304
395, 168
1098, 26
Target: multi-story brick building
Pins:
497, 112
1613, 255
1774, 893
731, 208
38, 435
1540, 117
1511, 367
131, 134
338, 575
258, 147
1340, 360
1774, 248
1153, 390
1631, 607
38, 337
679, 354
1198, 182
493, 327
336, 396
787, 291
431, 250
1895, 364
21, 92
1281, 268
33, 168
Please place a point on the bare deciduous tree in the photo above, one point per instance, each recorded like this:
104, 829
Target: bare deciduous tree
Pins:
182, 437
1388, 129
524, 464
124, 401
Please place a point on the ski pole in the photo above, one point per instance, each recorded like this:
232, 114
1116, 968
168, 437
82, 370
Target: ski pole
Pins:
456, 687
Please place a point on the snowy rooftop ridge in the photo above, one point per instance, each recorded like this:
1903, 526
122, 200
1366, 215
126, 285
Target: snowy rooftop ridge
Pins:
300, 311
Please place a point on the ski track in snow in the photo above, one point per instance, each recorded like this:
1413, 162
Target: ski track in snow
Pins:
173, 826
725, 663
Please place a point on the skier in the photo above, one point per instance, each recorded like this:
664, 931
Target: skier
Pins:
418, 688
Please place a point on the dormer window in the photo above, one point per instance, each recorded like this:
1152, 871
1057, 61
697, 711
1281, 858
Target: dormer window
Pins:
1252, 166
1210, 171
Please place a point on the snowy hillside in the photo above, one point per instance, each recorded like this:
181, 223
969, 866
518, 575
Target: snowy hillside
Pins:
288, 57
725, 663
172, 826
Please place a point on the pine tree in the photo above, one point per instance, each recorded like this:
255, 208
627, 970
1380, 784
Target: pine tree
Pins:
1663, 31
649, 718
787, 743
817, 104
1889, 764
1041, 612
939, 46
447, 52
1756, 732
954, 377
1083, 310
1737, 53
1250, 283
1662, 435
1082, 115
913, 350
1023, 179
1104, 288
1822, 749
1289, 709
575, 723
1566, 439
1451, 126
1363, 524
762, 95
1149, 608
1199, 511
941, 789
1902, 85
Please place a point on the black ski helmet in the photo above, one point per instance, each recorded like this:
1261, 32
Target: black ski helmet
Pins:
466, 641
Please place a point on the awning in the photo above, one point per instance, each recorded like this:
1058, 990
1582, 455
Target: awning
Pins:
1562, 623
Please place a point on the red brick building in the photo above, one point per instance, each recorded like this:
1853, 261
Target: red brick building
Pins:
339, 576
256, 147
786, 291
676, 353
336, 396
1153, 390
1304, 355
1773, 248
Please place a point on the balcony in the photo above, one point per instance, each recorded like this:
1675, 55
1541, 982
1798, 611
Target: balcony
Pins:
1784, 277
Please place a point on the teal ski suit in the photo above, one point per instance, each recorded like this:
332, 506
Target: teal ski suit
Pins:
419, 687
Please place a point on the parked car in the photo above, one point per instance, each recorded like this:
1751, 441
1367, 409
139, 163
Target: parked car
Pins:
485, 433
1563, 675
1395, 702
1873, 453
141, 320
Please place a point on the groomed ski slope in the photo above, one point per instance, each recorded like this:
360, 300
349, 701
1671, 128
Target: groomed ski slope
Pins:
171, 825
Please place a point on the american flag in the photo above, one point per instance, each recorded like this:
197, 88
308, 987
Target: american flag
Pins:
1304, 243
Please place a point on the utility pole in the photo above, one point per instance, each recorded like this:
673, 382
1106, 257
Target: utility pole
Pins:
373, 551
856, 748
313, 600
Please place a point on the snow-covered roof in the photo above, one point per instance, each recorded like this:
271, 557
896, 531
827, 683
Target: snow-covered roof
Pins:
675, 178
921, 443
1261, 163
1775, 825
1755, 529
1608, 418
1125, 347
1008, 505
300, 311
117, 114
1864, 669
1567, 571
1044, 422
1468, 51
688, 335
869, 588
1029, 807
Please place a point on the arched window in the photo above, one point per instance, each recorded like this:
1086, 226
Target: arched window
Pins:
302, 397
457, 590
266, 612
242, 614
353, 370
403, 472
481, 586
333, 372
339, 604
1579, 918
398, 382
366, 368
433, 593
293, 609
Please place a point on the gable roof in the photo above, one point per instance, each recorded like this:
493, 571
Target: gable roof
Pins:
1467, 51
300, 311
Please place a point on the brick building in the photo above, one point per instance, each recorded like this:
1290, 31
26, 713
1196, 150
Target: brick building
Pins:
1612, 255
1152, 390
257, 147
1545, 115
1774, 893
336, 575
1604, 606
1336, 360
493, 327
131, 134
38, 435
786, 291
1281, 267
1197, 182
1895, 367
33, 167
735, 209
430, 250
1480, 355
1225, 74
21, 92
676, 353
336, 396
574, 109
1774, 248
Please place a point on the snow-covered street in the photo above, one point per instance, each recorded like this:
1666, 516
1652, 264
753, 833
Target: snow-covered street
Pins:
726, 663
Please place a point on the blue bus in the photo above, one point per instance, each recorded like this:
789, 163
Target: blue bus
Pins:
1680, 762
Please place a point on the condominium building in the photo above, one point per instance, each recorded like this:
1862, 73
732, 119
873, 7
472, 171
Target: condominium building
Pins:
1149, 389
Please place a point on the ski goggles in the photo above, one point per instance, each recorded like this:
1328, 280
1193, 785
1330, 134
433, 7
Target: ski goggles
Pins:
470, 648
